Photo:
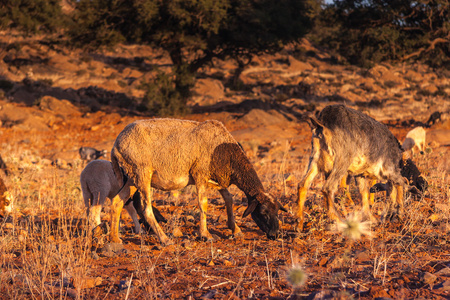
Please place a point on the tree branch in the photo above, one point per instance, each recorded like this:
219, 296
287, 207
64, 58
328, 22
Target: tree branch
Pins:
430, 47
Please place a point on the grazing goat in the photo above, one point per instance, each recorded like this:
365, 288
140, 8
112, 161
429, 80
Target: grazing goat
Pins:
88, 154
418, 184
169, 154
414, 177
6, 199
348, 142
434, 117
98, 182
415, 139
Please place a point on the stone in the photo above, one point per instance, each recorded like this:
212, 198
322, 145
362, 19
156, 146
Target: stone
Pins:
378, 292
322, 262
362, 256
176, 232
111, 249
428, 278
89, 283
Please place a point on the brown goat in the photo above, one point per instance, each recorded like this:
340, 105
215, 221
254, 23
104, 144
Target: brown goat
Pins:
344, 186
348, 142
169, 154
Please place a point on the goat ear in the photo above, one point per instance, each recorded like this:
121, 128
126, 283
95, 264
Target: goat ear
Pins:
313, 122
250, 208
281, 207
414, 190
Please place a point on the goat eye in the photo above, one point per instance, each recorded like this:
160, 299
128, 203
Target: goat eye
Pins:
264, 209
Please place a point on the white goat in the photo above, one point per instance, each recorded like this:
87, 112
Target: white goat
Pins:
415, 139
169, 154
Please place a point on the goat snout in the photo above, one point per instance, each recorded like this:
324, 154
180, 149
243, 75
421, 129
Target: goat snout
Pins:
272, 235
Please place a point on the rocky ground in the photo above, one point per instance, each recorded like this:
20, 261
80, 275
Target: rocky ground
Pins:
54, 100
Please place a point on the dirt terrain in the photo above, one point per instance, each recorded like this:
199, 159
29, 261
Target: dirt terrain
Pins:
54, 100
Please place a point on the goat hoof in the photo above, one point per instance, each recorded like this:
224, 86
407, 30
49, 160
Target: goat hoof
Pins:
298, 227
392, 216
207, 238
115, 240
167, 242
237, 234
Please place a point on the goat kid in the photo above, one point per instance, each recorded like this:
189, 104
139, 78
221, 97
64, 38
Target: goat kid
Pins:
89, 154
417, 182
98, 182
415, 139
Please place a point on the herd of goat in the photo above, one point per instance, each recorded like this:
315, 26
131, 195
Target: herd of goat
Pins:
170, 154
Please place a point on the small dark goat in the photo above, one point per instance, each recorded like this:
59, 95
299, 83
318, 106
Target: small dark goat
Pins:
437, 115
88, 154
98, 182
348, 142
418, 184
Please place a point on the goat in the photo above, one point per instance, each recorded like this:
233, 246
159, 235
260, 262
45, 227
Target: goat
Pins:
415, 138
98, 182
434, 117
6, 199
346, 141
169, 154
88, 153
418, 184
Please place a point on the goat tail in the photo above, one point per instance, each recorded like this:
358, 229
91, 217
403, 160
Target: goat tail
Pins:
121, 177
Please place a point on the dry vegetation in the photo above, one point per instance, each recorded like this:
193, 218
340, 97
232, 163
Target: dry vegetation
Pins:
46, 253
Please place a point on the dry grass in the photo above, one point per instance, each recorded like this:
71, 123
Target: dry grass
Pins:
46, 254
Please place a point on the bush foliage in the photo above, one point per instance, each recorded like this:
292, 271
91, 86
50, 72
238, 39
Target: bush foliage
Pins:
193, 32
367, 32
32, 16
161, 97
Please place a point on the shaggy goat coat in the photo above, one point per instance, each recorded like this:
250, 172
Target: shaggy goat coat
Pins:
348, 142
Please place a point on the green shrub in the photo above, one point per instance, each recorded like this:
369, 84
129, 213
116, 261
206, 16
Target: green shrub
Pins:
32, 16
192, 33
369, 32
161, 97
